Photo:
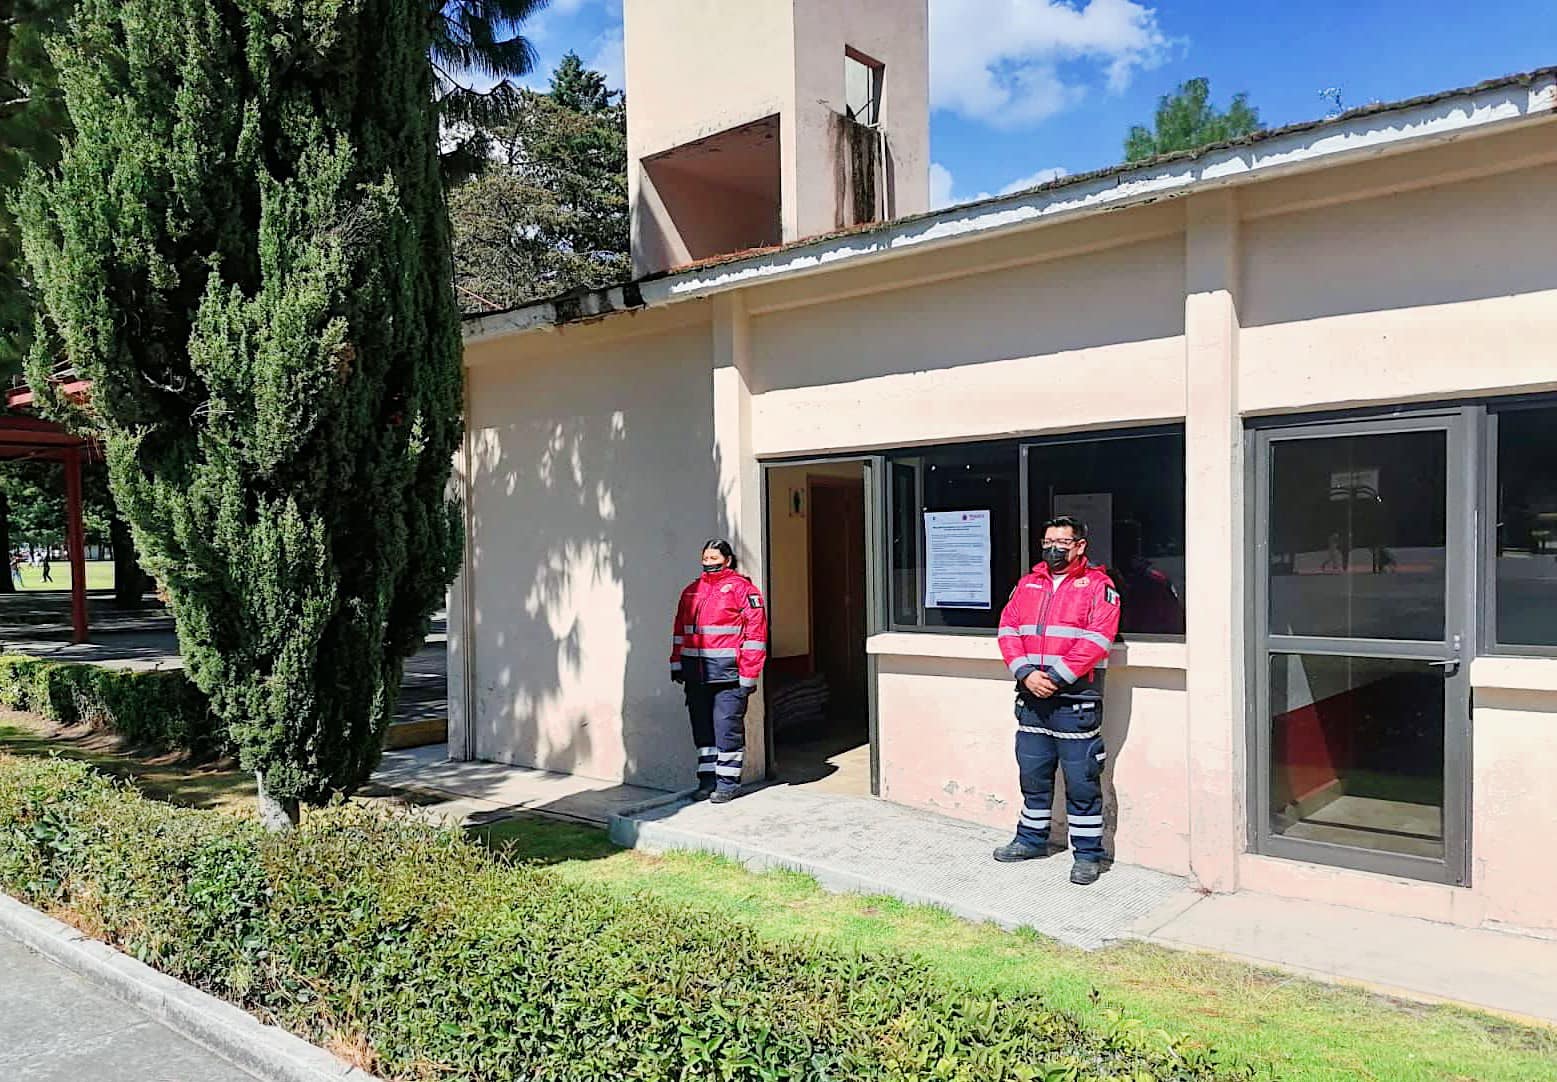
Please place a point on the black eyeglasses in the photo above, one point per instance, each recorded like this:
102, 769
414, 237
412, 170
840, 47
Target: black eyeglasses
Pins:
1063, 542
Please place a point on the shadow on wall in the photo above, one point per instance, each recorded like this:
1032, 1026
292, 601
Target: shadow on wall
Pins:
593, 483
1118, 711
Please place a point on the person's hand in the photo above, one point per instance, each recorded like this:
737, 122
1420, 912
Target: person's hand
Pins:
676, 677
1039, 684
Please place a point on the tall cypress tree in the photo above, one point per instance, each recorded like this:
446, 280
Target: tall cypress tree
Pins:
245, 249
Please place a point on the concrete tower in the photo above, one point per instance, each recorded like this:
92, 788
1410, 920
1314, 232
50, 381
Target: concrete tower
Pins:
753, 123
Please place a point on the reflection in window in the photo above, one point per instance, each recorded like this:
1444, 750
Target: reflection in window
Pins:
1129, 489
973, 477
1130, 492
1358, 531
905, 543
1527, 527
1357, 752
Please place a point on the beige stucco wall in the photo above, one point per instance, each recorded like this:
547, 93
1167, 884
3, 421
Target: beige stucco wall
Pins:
1046, 346
1373, 284
591, 487
1429, 293
947, 740
895, 33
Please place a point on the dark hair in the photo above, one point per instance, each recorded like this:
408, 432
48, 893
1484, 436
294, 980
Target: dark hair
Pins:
724, 548
1077, 528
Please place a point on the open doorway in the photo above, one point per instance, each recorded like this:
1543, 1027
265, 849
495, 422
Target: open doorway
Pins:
818, 682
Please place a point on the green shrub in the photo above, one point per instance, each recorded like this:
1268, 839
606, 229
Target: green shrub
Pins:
159, 709
378, 932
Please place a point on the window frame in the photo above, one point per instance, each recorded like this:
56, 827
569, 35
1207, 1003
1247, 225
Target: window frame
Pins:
876, 78
916, 455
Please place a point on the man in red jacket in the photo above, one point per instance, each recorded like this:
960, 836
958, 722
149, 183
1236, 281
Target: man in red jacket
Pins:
718, 647
1055, 634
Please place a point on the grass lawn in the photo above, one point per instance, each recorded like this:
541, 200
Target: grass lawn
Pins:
1301, 1030
99, 575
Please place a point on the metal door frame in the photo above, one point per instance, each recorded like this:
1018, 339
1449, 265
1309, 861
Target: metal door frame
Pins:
874, 476
1455, 650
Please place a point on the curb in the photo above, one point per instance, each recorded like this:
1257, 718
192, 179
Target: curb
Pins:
268, 1052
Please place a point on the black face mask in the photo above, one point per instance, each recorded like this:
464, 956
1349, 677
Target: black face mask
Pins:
1057, 558
712, 569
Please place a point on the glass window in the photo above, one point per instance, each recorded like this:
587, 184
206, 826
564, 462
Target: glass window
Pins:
1130, 493
1129, 489
1357, 752
1526, 571
905, 543
972, 477
1358, 536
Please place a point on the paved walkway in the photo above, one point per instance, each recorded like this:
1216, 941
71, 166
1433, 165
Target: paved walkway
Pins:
474, 792
852, 843
1418, 959
865, 845
38, 623
57, 1027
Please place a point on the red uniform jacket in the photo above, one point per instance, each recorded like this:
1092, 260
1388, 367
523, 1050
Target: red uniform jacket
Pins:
721, 631
1065, 632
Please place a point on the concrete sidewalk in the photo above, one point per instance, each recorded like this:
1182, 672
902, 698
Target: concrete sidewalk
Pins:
1402, 956
861, 844
475, 792
58, 1027
865, 845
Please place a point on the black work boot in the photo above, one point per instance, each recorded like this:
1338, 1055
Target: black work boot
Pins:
1085, 872
705, 787
723, 796
1016, 849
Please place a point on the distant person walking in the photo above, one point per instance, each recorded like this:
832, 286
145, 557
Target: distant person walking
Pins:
16, 568
46, 576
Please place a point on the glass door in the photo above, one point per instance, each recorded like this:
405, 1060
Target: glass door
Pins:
1360, 684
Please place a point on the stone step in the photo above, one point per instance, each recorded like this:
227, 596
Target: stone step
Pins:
417, 734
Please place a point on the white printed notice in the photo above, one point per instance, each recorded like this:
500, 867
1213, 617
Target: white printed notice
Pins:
957, 558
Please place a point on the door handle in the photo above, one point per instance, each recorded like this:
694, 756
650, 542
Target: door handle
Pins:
1449, 667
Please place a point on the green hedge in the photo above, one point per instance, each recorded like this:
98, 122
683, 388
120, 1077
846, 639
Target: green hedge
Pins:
160, 709
376, 932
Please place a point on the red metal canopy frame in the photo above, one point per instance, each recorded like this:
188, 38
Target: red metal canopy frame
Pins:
24, 436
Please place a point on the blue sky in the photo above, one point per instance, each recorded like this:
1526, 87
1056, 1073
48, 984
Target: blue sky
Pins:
1025, 89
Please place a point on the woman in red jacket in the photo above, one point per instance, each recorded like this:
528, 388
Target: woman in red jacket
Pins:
719, 644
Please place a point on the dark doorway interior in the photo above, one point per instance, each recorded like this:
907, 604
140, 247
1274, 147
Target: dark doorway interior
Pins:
819, 701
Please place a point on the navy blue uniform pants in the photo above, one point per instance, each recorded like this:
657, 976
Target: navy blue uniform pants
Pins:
718, 713
1069, 736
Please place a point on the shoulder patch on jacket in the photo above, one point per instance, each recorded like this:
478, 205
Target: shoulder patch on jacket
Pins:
754, 600
1111, 595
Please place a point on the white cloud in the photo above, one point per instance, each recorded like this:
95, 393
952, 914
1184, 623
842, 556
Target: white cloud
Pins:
608, 56
1043, 176
941, 183
1000, 61
943, 186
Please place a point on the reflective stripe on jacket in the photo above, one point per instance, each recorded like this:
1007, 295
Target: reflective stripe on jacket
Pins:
721, 631
1065, 632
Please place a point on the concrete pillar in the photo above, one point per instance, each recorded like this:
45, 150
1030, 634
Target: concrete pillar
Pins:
739, 506
460, 649
1215, 553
